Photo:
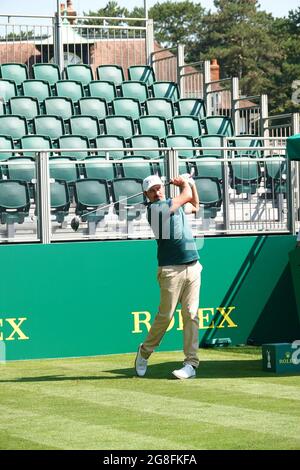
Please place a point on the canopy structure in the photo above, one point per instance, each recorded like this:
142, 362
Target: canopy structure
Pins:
293, 147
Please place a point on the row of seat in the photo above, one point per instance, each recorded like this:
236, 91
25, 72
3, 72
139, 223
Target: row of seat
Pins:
38, 103
90, 127
245, 175
74, 90
82, 73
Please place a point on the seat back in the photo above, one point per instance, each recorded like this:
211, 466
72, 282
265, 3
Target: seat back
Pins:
6, 143
145, 142
153, 125
51, 126
63, 168
87, 126
245, 175
96, 107
69, 89
48, 72
34, 142
24, 171
110, 141
102, 89
126, 107
165, 89
208, 167
74, 142
133, 89
136, 168
112, 73
13, 126
91, 194
99, 168
8, 89
187, 125
39, 89
119, 125
191, 107
24, 106
80, 72
59, 106
248, 141
219, 125
14, 200
12, 71
160, 107
210, 196
127, 187
211, 141
141, 73
182, 141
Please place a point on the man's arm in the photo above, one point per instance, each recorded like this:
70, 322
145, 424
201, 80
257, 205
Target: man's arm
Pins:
193, 205
185, 196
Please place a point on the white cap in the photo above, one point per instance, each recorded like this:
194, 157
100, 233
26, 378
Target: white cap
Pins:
151, 181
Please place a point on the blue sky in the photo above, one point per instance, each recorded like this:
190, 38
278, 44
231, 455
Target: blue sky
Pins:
47, 7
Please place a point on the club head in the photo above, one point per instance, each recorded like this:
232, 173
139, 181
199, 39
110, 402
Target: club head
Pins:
75, 223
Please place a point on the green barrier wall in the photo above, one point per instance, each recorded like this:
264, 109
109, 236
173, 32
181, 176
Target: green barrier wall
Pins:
90, 298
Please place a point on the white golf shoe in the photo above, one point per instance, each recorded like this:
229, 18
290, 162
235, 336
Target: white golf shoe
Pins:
140, 364
186, 372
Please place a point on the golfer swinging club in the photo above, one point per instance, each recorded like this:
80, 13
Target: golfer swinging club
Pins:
179, 271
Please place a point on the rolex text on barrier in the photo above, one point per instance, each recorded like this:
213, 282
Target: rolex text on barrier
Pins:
281, 357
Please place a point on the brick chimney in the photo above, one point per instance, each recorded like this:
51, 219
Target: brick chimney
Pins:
71, 12
214, 70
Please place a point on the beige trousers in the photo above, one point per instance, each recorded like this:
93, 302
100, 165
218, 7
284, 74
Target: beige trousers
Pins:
178, 284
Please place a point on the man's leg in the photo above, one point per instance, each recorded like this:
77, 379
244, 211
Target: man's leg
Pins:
171, 280
189, 310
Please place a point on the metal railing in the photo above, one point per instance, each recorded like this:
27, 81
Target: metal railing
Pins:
165, 64
259, 193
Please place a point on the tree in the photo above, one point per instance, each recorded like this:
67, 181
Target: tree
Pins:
242, 40
112, 9
176, 22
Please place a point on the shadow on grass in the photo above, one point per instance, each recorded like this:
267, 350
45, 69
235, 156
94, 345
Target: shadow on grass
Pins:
207, 370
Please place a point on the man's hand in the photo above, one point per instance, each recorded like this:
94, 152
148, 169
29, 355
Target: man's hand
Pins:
188, 178
179, 181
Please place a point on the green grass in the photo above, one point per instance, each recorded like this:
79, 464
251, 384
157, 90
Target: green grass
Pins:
98, 403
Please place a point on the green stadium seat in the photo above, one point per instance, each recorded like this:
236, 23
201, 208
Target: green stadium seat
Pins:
99, 168
182, 141
165, 89
126, 107
247, 141
145, 142
119, 125
64, 169
160, 107
276, 174
23, 172
207, 167
218, 125
8, 89
24, 106
39, 89
153, 125
59, 106
210, 196
191, 107
91, 194
110, 142
2, 108
13, 71
111, 73
14, 203
69, 89
211, 141
59, 200
141, 73
187, 125
74, 142
50, 126
47, 72
133, 89
102, 89
245, 175
86, 126
123, 188
6, 143
134, 167
13, 126
80, 72
34, 142
91, 106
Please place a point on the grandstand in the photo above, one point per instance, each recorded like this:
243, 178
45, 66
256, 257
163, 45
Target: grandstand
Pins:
86, 112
